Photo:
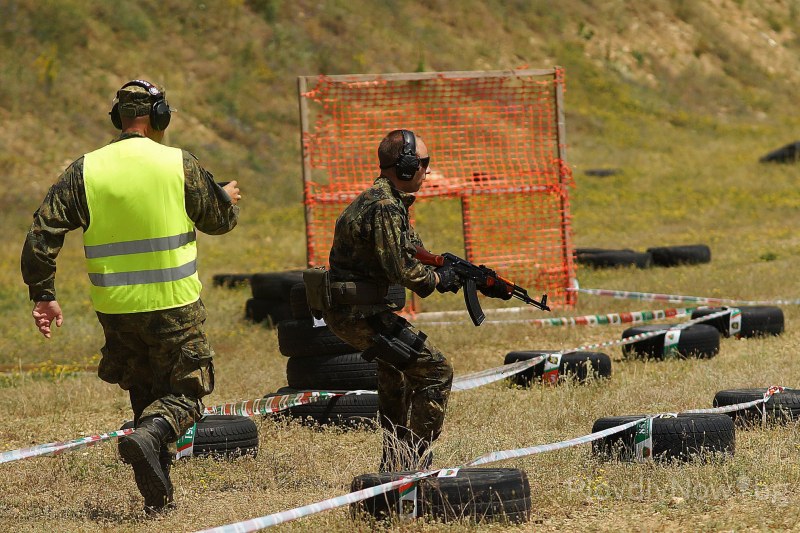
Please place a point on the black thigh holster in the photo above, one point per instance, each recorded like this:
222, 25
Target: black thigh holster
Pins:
396, 344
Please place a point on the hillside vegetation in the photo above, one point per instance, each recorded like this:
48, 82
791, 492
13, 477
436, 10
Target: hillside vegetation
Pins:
683, 96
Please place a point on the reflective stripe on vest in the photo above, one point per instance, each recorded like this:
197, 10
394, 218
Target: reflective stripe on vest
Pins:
140, 246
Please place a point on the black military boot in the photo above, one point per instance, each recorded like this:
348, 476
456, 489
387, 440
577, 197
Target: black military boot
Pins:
166, 457
142, 450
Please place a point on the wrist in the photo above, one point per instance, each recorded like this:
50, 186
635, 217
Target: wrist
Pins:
44, 298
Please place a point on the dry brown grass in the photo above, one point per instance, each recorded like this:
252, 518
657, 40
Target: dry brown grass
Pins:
686, 126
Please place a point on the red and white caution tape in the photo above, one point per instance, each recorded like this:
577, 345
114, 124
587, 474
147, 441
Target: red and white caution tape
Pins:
339, 501
677, 298
632, 317
278, 403
273, 404
55, 448
248, 408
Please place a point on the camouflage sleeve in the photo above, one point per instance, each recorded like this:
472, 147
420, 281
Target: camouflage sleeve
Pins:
395, 251
63, 209
414, 237
207, 204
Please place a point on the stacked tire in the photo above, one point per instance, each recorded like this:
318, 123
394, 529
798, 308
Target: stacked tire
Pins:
318, 360
270, 301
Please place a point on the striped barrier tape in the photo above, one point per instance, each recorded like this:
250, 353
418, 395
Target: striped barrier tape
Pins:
466, 382
339, 501
632, 317
55, 448
252, 407
264, 406
677, 298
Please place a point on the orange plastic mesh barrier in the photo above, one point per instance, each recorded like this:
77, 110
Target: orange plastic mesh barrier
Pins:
496, 141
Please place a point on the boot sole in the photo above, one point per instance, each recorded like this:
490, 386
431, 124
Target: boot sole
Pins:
150, 479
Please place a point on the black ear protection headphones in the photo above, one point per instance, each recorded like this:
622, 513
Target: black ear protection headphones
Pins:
407, 162
160, 112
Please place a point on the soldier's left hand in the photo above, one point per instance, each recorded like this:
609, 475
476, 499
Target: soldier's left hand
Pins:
233, 191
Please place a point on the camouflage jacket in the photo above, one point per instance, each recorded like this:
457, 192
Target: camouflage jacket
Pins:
374, 241
65, 208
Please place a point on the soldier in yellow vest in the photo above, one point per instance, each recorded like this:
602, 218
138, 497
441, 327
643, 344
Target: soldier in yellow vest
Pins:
139, 204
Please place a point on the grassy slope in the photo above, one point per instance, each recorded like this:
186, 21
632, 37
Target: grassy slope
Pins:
684, 96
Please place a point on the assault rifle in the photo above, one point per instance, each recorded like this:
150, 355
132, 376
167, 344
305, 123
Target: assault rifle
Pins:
479, 277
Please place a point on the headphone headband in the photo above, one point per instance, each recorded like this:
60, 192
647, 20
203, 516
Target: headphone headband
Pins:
160, 112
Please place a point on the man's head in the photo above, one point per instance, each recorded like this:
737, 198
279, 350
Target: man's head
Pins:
404, 159
140, 98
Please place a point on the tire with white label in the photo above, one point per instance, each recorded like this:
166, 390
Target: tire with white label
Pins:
476, 494
578, 366
782, 407
684, 437
348, 411
299, 338
757, 320
349, 372
222, 436
698, 340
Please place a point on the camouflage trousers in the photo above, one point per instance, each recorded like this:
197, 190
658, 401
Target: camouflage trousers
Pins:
412, 400
166, 373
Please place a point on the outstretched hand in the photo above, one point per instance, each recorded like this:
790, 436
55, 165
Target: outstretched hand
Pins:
233, 191
44, 313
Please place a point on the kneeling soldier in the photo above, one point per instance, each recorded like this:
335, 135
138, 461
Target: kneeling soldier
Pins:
373, 247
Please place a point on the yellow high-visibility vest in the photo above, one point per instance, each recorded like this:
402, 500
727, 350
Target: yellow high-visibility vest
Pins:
140, 247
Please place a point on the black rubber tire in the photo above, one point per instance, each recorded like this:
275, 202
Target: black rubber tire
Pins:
690, 254
272, 311
222, 436
349, 371
299, 338
757, 320
602, 172
783, 407
577, 365
226, 436
688, 436
698, 340
395, 294
587, 251
789, 153
615, 258
298, 303
230, 280
477, 494
343, 411
275, 285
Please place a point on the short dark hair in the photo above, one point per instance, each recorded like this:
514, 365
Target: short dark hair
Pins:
390, 148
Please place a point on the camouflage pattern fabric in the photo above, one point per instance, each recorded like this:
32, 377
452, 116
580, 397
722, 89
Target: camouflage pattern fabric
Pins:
412, 400
164, 361
135, 101
375, 242
161, 357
